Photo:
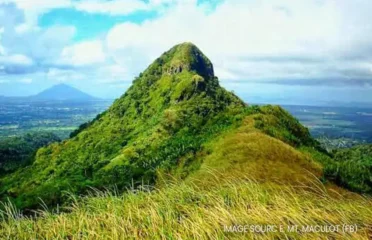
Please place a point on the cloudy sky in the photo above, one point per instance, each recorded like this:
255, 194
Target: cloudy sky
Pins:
265, 50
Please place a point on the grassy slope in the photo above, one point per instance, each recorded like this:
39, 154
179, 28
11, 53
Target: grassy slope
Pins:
231, 164
244, 177
247, 151
168, 112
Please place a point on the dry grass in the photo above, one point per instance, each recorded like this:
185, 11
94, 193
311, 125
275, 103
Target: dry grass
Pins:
186, 211
285, 192
248, 152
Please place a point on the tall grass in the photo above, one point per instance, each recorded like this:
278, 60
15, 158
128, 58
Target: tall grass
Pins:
197, 210
286, 192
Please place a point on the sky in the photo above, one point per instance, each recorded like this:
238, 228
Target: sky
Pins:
276, 51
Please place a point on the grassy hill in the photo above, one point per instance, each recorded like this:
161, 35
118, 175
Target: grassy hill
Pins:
244, 177
169, 111
185, 158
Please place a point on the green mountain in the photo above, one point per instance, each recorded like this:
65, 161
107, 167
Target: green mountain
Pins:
164, 124
212, 163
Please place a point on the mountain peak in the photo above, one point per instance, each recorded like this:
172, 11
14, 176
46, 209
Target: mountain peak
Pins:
166, 115
61, 85
187, 57
63, 92
181, 73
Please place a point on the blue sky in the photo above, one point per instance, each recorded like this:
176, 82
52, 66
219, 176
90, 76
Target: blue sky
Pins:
283, 51
90, 25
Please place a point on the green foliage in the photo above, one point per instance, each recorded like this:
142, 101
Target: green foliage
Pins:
353, 168
176, 120
162, 124
85, 125
16, 152
350, 167
278, 123
163, 117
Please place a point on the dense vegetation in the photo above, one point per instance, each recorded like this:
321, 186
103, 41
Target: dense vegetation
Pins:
353, 168
170, 110
16, 152
190, 211
163, 120
229, 163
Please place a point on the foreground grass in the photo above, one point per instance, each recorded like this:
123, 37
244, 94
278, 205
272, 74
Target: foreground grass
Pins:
188, 211
221, 193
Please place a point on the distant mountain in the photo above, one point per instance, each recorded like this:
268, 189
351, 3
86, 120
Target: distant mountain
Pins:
185, 152
160, 125
62, 92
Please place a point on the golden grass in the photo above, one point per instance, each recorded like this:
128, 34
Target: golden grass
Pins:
248, 152
187, 211
246, 178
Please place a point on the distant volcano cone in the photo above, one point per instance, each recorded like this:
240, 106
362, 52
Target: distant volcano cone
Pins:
164, 117
62, 92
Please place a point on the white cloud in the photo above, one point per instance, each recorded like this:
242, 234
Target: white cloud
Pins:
83, 53
120, 7
257, 39
64, 75
33, 8
115, 7
34, 48
25, 80
39, 5
58, 34
23, 28
113, 74
247, 40
16, 59
2, 50
114, 71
